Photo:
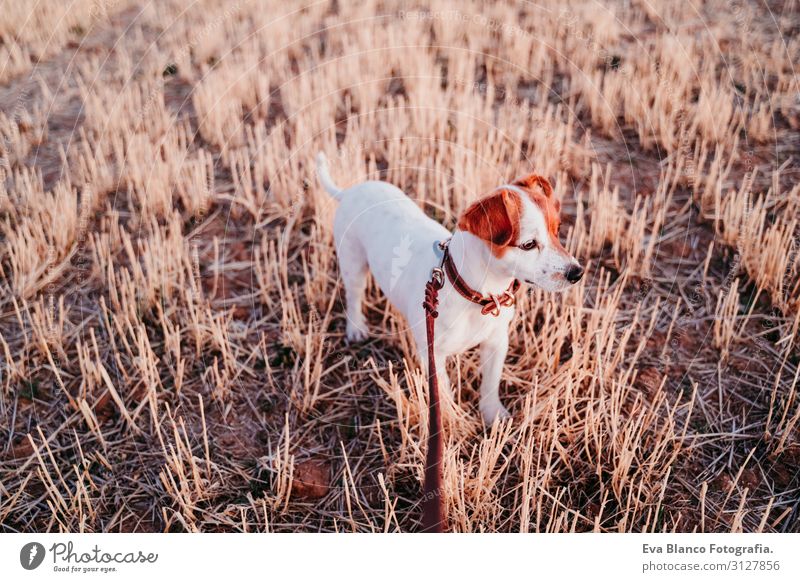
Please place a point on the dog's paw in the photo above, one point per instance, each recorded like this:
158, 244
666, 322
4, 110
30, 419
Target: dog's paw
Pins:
356, 333
492, 411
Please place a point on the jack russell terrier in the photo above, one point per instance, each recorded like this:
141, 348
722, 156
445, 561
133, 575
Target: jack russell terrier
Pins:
509, 235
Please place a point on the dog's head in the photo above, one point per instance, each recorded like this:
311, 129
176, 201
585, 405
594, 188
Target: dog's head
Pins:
519, 223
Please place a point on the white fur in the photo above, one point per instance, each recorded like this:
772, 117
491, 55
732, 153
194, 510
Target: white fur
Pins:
378, 228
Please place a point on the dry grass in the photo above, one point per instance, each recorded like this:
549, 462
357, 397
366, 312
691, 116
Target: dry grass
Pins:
171, 321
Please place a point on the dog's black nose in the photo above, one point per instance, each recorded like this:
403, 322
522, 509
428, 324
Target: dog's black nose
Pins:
574, 273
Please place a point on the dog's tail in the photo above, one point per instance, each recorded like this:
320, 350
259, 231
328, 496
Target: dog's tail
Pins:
325, 177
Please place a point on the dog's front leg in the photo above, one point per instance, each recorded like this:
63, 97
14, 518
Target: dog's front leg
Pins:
493, 356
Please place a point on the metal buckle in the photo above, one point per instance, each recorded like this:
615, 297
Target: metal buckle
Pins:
492, 308
437, 276
507, 299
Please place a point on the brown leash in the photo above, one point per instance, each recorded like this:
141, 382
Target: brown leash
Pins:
432, 503
433, 518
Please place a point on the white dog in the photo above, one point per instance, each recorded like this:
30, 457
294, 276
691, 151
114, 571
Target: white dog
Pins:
510, 234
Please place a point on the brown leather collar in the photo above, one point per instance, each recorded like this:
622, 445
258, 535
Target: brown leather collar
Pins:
490, 304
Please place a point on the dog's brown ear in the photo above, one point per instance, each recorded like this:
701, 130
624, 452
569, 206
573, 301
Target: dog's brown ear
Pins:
536, 183
530, 183
494, 218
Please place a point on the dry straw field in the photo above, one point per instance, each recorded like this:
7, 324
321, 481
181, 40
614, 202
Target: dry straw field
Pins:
171, 318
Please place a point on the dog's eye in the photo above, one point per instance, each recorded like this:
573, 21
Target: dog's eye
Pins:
529, 245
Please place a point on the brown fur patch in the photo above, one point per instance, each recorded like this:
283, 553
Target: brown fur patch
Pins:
540, 192
536, 183
495, 219
530, 183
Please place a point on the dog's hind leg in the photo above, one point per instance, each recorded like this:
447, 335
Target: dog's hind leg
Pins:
353, 269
